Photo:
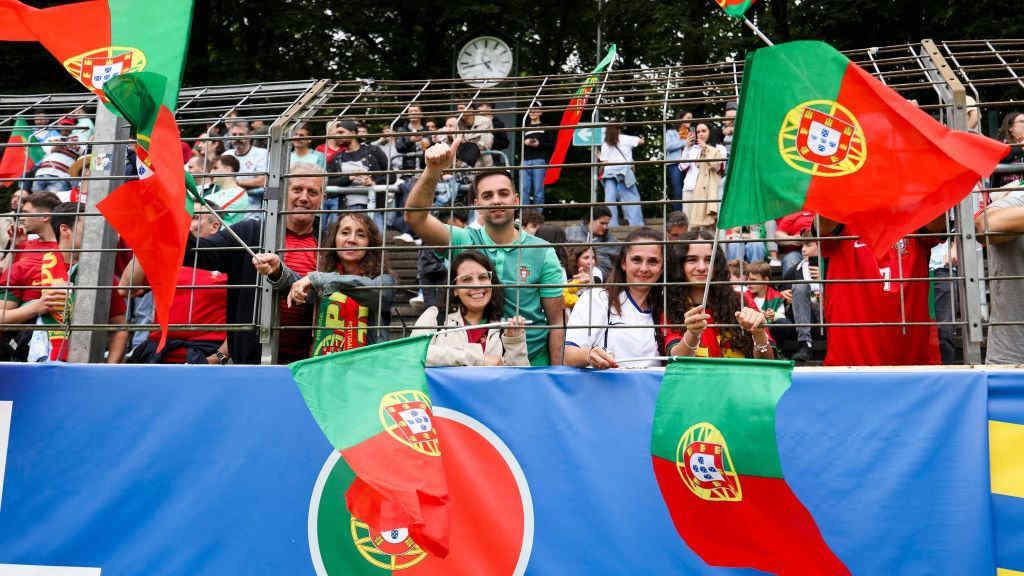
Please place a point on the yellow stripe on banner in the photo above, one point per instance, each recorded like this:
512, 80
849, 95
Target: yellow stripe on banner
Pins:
1006, 458
1005, 572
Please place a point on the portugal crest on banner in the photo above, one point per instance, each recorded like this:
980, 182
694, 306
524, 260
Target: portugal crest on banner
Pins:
822, 138
704, 464
392, 549
96, 67
407, 417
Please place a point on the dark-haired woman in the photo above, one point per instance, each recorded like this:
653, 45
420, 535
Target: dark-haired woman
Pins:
592, 336
476, 299
688, 268
349, 282
1012, 132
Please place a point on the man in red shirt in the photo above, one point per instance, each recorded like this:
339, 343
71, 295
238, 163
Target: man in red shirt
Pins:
890, 300
303, 197
37, 264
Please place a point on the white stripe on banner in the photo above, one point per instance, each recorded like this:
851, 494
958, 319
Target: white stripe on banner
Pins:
6, 408
25, 570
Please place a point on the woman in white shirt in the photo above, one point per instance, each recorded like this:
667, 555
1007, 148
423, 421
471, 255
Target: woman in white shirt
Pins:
592, 336
619, 179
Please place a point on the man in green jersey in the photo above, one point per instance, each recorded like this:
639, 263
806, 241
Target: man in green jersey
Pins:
519, 258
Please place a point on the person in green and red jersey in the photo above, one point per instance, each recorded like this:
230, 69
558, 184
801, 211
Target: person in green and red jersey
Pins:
688, 268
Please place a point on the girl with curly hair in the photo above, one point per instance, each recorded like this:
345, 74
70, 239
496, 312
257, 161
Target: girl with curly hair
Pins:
689, 263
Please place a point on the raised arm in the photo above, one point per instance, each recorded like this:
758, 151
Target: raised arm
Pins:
423, 224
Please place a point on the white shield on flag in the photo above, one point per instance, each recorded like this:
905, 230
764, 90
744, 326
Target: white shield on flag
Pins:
417, 419
395, 535
822, 140
100, 74
704, 467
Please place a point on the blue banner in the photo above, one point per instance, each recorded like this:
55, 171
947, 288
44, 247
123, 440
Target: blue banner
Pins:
212, 470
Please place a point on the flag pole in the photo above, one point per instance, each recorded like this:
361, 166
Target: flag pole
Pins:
757, 31
711, 270
223, 224
502, 324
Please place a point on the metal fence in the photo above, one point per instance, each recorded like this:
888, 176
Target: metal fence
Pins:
938, 76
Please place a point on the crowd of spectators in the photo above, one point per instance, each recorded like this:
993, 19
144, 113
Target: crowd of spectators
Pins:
604, 292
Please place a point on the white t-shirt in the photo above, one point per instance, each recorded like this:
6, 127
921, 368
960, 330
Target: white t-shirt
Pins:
623, 152
592, 309
255, 160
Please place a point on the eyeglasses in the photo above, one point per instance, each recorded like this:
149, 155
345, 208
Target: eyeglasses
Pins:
481, 278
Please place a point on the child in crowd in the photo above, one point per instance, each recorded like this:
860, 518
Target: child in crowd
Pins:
477, 298
688, 267
634, 305
582, 272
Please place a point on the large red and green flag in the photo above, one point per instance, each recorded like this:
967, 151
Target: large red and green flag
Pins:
571, 117
716, 459
131, 55
20, 155
97, 40
817, 133
373, 406
735, 8
149, 213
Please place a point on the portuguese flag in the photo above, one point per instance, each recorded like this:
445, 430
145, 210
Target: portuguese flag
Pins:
19, 156
97, 40
735, 8
130, 54
372, 405
571, 117
815, 132
717, 463
149, 213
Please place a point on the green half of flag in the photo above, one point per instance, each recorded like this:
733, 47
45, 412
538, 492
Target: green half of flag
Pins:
716, 459
817, 133
373, 406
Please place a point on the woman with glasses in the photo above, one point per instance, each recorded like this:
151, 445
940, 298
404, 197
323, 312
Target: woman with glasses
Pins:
475, 298
593, 336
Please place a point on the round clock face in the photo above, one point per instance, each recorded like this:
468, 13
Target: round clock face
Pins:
483, 60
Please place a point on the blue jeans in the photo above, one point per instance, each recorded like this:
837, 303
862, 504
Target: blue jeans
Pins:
51, 184
790, 260
532, 180
675, 187
616, 191
749, 251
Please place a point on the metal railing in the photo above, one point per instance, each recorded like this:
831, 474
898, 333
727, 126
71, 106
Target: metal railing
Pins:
937, 75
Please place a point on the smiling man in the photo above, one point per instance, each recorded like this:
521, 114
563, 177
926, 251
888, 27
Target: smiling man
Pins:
518, 257
304, 196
